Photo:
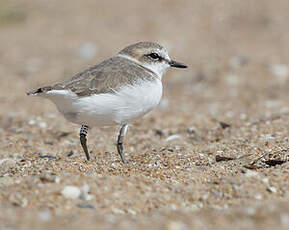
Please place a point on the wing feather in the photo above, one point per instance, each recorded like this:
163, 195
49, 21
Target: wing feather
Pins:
108, 76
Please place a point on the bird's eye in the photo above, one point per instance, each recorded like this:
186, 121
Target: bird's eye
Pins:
154, 56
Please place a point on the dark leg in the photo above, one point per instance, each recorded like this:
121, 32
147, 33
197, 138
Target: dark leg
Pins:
120, 138
82, 135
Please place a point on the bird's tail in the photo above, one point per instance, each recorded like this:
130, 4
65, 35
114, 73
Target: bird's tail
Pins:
39, 91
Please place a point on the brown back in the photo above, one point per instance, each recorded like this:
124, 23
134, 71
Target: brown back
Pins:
108, 76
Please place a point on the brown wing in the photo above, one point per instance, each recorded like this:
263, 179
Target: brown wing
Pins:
105, 77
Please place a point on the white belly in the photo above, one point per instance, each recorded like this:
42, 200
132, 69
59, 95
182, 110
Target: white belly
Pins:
123, 106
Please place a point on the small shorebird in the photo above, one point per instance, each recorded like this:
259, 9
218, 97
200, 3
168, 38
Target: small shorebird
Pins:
114, 92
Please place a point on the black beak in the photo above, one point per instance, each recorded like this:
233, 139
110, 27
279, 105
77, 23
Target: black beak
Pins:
176, 64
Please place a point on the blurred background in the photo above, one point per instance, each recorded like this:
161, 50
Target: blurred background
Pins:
232, 100
234, 49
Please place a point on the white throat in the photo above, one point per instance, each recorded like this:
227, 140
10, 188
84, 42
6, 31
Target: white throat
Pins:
158, 68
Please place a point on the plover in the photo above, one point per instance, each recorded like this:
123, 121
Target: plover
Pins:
115, 92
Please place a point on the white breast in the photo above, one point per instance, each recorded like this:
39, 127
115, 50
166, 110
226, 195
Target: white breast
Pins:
125, 105
137, 100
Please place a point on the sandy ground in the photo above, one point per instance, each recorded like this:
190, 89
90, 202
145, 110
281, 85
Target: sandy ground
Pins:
213, 155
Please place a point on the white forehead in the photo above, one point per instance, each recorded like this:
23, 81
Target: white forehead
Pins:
164, 53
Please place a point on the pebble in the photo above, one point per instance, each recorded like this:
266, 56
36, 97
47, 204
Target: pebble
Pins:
48, 156
24, 202
71, 192
40, 124
217, 207
251, 173
57, 180
268, 137
18, 200
117, 211
258, 197
70, 153
271, 189
191, 129
132, 212
173, 137
31, 122
85, 205
265, 180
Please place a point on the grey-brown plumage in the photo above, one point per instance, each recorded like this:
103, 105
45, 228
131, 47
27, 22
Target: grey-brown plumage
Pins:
110, 74
105, 77
116, 91
136, 50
